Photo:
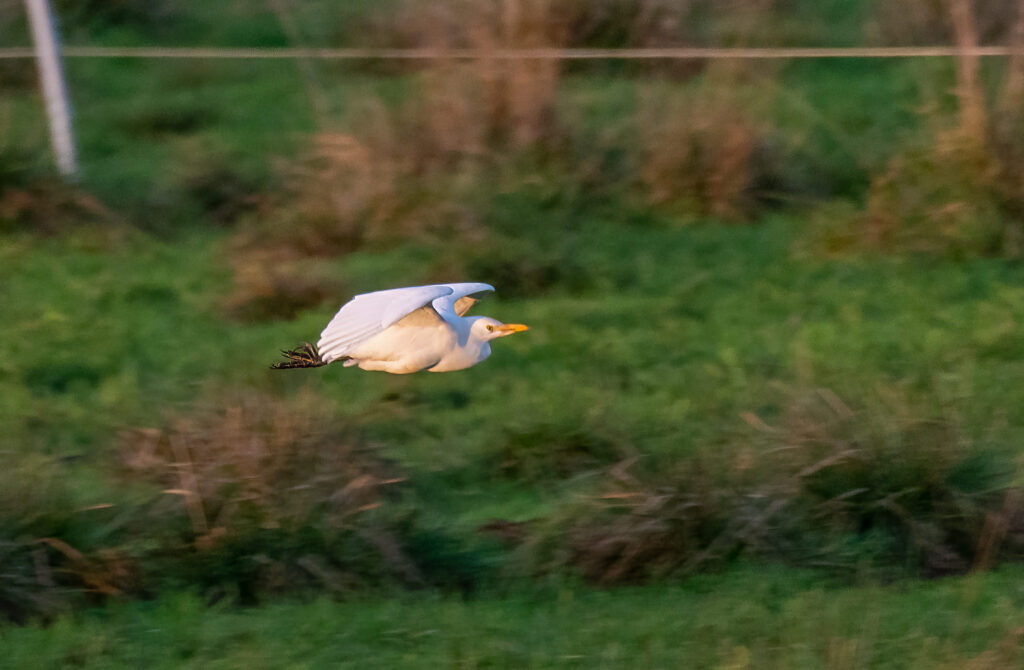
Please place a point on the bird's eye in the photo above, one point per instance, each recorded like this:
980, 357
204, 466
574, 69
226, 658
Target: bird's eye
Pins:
490, 328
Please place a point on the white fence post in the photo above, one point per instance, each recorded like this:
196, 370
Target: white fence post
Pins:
51, 75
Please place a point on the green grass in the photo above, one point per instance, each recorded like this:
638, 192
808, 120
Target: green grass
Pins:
764, 619
680, 333
654, 342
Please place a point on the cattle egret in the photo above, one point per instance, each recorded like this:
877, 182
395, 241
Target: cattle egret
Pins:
403, 330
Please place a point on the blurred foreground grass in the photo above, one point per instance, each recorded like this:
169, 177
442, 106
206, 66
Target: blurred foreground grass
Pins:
749, 618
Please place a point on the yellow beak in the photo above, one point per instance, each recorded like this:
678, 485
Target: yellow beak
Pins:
509, 328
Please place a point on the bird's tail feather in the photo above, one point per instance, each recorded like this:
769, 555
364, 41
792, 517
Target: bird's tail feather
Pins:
305, 356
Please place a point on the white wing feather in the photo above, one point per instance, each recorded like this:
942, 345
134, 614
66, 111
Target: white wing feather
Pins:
368, 314
445, 305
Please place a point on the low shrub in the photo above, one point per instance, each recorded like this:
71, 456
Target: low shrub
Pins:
950, 199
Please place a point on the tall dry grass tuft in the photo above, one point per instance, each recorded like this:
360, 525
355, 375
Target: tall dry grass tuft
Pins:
336, 195
47, 205
492, 102
409, 171
958, 193
928, 22
56, 549
347, 191
824, 485
257, 462
1007, 132
386, 182
276, 284
419, 170
699, 152
941, 200
588, 23
261, 495
637, 23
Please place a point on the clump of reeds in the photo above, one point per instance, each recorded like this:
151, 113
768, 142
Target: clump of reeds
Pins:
334, 200
825, 485
700, 151
927, 22
259, 495
958, 192
256, 463
407, 172
56, 549
423, 170
497, 101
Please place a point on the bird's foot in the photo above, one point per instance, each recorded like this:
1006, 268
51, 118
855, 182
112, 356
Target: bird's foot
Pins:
305, 356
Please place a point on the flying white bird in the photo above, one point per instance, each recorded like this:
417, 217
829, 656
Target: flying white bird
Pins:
405, 330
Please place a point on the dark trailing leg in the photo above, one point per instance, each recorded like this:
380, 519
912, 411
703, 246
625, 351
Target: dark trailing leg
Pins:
305, 356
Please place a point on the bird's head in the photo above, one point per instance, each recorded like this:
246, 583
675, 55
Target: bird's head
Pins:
485, 328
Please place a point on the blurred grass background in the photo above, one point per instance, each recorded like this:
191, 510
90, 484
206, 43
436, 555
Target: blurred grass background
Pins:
773, 378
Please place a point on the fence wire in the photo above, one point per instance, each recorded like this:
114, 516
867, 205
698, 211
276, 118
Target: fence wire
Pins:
665, 53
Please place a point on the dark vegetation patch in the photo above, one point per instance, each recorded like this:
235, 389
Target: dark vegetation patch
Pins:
244, 500
822, 485
157, 121
549, 452
33, 198
151, 16
63, 376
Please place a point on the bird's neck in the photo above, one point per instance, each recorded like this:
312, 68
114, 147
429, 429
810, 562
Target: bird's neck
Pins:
469, 350
469, 343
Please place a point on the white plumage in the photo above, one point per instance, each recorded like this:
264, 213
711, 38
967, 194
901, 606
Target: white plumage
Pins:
405, 330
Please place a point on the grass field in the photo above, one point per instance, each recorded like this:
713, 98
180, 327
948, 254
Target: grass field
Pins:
764, 619
736, 435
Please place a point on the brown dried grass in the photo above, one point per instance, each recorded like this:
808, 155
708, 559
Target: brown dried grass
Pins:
928, 22
490, 102
350, 190
257, 463
49, 206
699, 152
823, 485
940, 200
407, 171
415, 170
960, 192
252, 495
275, 284
47, 562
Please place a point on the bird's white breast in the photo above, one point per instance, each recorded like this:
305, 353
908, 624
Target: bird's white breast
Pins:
462, 357
401, 349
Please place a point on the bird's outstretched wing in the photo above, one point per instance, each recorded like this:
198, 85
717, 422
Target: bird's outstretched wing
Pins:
368, 314
458, 301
